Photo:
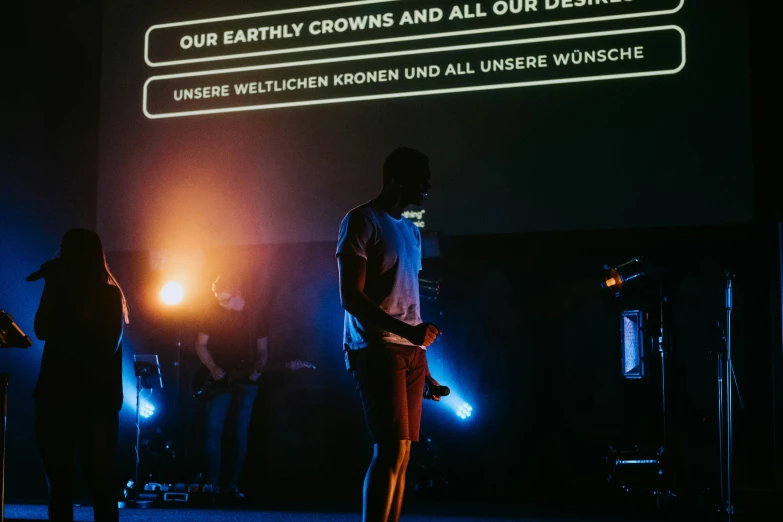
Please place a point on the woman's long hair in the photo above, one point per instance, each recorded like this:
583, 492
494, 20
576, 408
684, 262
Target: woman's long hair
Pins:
85, 248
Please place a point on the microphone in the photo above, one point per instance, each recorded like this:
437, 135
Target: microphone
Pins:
440, 391
431, 388
46, 270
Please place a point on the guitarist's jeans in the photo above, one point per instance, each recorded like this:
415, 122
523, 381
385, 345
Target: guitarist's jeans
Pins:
217, 412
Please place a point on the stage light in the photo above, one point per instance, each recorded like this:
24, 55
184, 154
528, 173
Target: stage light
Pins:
632, 344
464, 411
172, 293
617, 277
146, 410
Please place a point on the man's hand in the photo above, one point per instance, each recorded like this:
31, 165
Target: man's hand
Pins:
423, 334
217, 373
431, 387
255, 375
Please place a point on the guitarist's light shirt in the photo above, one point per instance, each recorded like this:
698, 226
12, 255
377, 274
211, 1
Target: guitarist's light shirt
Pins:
392, 248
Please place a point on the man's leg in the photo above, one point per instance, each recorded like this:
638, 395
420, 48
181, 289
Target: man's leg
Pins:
244, 398
382, 479
381, 375
414, 390
399, 485
217, 410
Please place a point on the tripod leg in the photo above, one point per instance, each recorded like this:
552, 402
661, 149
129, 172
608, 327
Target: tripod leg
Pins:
736, 387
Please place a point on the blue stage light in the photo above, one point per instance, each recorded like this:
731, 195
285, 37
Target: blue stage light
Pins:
464, 411
451, 373
146, 410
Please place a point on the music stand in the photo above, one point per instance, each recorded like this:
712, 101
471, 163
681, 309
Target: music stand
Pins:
11, 336
148, 376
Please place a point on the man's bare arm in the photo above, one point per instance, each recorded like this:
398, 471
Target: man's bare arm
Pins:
206, 357
353, 273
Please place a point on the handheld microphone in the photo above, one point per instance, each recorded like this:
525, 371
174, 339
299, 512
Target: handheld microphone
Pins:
436, 390
440, 391
46, 270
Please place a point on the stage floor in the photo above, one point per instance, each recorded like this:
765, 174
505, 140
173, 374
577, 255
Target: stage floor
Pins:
19, 512
14, 512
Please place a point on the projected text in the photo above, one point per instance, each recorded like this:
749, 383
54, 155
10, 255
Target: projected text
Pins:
373, 22
494, 65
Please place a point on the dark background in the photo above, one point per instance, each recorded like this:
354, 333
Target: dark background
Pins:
537, 360
642, 152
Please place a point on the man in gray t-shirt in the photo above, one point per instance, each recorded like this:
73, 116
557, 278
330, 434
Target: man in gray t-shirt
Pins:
379, 258
391, 248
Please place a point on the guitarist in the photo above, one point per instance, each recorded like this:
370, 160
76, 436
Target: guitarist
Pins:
233, 346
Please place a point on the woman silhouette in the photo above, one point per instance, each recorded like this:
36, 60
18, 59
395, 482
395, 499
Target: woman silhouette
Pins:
79, 391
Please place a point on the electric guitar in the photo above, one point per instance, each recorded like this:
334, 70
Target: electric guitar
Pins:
204, 387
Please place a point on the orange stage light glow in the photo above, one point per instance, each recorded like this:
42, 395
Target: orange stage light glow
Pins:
172, 293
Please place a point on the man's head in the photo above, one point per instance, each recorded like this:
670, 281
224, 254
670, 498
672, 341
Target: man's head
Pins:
228, 290
407, 172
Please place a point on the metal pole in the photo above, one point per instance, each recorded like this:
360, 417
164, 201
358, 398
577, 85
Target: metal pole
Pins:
720, 428
4, 378
138, 434
776, 367
663, 392
728, 384
178, 377
662, 350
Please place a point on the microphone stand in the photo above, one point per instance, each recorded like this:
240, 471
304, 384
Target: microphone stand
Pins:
145, 367
11, 336
662, 350
178, 431
664, 494
727, 383
178, 376
137, 488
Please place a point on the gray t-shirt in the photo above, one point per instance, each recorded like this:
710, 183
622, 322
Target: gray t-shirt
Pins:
392, 248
